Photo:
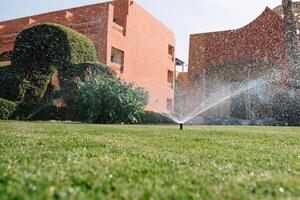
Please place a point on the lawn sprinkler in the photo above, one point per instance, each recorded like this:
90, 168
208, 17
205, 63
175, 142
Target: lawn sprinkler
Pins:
181, 126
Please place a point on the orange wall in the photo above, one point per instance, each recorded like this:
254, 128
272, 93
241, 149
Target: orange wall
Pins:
146, 56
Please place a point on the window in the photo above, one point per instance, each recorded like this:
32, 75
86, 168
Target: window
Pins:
171, 51
170, 76
170, 104
5, 58
117, 56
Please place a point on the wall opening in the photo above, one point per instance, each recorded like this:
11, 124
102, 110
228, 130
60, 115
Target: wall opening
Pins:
117, 56
171, 51
170, 77
5, 58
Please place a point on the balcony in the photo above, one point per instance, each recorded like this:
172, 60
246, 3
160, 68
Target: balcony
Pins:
118, 28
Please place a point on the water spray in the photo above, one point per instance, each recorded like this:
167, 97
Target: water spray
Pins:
215, 99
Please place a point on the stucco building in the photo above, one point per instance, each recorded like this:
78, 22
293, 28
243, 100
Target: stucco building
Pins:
128, 39
231, 57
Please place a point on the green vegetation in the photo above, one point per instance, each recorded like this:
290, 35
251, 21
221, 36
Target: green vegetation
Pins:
286, 108
108, 100
38, 53
50, 49
154, 118
76, 161
7, 109
82, 72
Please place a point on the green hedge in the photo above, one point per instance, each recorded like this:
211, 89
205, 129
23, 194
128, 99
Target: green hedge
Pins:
286, 108
155, 118
38, 52
7, 109
4, 76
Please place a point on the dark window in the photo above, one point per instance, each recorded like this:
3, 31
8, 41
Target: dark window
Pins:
170, 76
171, 51
117, 56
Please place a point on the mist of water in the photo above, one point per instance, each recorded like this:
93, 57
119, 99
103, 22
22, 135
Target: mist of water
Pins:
224, 93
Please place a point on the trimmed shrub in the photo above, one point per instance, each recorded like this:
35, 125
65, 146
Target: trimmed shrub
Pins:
7, 109
38, 52
4, 75
108, 100
286, 108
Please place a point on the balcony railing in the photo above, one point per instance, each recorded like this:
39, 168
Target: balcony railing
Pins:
118, 28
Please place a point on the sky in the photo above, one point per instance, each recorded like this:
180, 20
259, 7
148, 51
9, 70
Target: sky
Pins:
183, 17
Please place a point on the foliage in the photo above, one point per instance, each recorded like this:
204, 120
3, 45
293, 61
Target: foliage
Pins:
39, 51
218, 121
79, 161
155, 118
7, 108
4, 76
51, 112
46, 49
286, 108
28, 110
108, 100
78, 73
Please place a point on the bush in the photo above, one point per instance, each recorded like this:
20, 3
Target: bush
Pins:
286, 108
155, 118
268, 122
39, 51
7, 109
80, 73
5, 87
25, 111
217, 121
108, 100
51, 112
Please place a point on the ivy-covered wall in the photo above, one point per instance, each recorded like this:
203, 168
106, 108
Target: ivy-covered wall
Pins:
38, 52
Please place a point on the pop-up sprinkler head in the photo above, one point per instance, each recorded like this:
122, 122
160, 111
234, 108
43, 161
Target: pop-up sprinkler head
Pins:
181, 126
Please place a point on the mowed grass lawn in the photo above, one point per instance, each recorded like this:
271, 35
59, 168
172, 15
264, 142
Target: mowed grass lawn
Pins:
78, 161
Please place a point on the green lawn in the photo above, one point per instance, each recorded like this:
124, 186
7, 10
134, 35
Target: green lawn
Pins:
75, 161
